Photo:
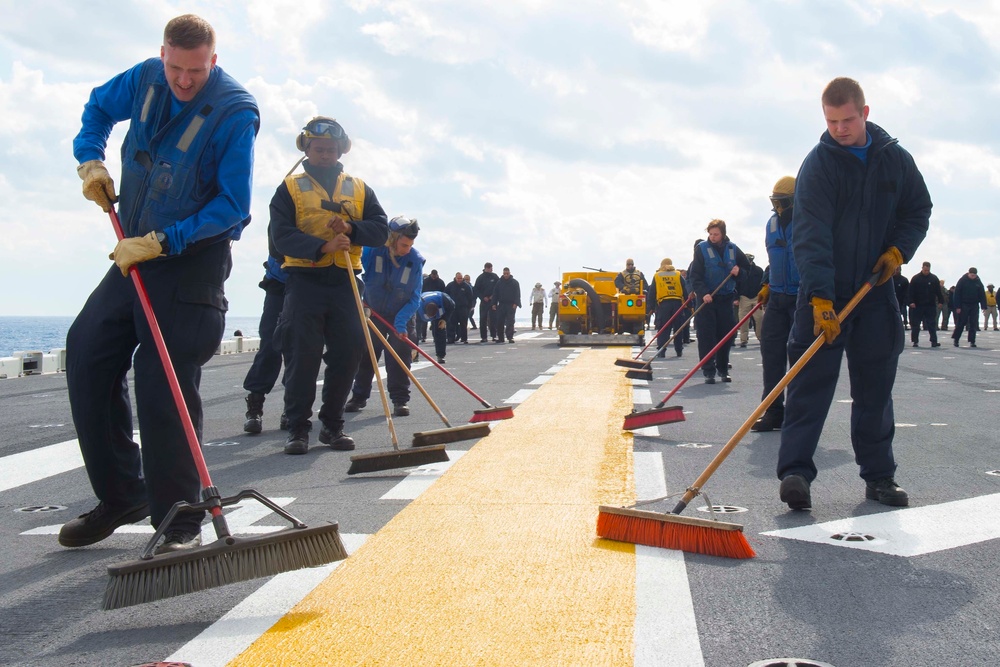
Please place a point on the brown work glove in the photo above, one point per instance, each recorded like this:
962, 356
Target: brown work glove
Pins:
825, 319
442, 324
763, 295
131, 251
887, 264
97, 184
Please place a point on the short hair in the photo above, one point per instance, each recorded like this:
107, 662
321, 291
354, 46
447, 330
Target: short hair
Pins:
189, 32
717, 224
488, 265
841, 91
430, 309
506, 268
927, 264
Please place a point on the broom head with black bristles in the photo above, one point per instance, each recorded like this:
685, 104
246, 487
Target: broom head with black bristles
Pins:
653, 417
492, 414
225, 561
631, 363
671, 531
397, 458
640, 374
451, 434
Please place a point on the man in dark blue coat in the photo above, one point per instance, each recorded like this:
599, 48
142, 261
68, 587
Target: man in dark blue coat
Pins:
861, 208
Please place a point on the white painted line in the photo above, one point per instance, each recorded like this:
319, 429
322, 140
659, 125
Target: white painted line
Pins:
554, 369
650, 478
641, 396
229, 636
540, 380
421, 478
648, 431
913, 531
27, 467
520, 396
240, 519
666, 632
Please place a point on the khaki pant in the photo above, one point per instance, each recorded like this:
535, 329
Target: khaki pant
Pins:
746, 304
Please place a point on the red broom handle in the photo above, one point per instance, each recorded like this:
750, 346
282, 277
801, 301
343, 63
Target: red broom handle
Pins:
708, 356
660, 330
168, 368
695, 488
426, 356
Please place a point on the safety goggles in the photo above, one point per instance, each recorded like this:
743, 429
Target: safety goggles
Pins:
780, 203
404, 226
324, 128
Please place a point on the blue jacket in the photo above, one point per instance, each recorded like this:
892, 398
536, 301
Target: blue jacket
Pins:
443, 301
393, 291
848, 212
783, 275
712, 264
187, 168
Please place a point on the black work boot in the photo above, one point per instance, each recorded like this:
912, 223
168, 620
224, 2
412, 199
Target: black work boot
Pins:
298, 440
179, 540
255, 413
99, 523
769, 422
336, 439
795, 492
400, 409
283, 422
355, 404
887, 492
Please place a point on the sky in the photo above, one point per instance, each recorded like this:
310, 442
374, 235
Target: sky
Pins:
541, 136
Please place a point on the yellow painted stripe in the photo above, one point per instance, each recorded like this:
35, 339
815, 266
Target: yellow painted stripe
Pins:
498, 562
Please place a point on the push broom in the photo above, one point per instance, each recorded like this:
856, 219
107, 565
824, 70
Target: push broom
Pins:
229, 559
636, 363
645, 372
488, 413
442, 435
675, 413
705, 536
397, 458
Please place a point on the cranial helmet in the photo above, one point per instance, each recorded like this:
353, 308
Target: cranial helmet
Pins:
323, 127
783, 193
408, 227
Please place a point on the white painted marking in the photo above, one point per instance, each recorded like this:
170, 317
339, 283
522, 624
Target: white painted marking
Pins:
540, 380
27, 467
937, 424
420, 479
639, 383
913, 531
935, 378
902, 425
641, 396
648, 431
666, 632
520, 396
554, 369
240, 519
845, 400
229, 636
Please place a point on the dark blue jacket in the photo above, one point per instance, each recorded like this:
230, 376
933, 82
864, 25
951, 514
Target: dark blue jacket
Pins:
848, 212
441, 300
783, 275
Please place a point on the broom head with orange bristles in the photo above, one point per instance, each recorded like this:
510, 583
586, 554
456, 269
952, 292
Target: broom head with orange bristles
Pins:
653, 417
492, 414
672, 531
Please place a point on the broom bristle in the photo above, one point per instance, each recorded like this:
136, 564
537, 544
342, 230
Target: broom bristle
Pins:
492, 414
409, 458
225, 561
451, 434
631, 363
653, 417
640, 374
668, 531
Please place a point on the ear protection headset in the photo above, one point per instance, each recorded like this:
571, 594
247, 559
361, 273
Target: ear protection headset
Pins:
323, 127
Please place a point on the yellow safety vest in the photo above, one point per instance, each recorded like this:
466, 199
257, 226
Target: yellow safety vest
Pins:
991, 299
668, 285
311, 217
632, 282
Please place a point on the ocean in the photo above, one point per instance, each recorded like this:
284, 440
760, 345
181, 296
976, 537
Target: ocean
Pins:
44, 334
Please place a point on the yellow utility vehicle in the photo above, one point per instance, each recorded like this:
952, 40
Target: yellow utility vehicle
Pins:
593, 312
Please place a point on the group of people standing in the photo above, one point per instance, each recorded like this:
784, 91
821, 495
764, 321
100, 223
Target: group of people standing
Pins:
924, 301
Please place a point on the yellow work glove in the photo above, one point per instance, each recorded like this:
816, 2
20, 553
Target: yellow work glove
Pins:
131, 251
887, 264
442, 324
97, 184
825, 319
764, 294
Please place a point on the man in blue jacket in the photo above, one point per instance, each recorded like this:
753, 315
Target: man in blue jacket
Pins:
436, 309
266, 366
861, 208
778, 294
187, 164
393, 274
